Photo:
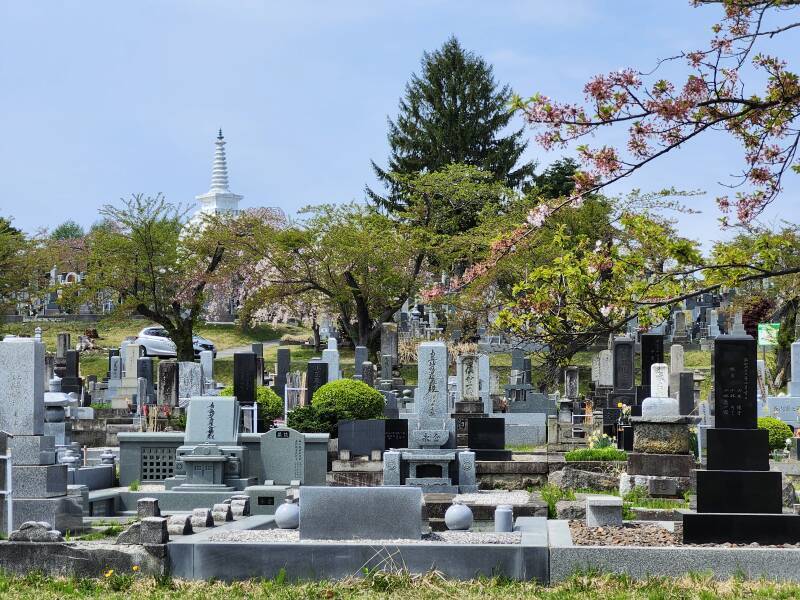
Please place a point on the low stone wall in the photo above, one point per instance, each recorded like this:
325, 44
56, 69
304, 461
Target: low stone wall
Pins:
76, 559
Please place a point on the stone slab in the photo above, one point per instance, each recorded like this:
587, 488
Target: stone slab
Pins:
739, 492
741, 528
39, 481
32, 449
340, 513
22, 386
737, 449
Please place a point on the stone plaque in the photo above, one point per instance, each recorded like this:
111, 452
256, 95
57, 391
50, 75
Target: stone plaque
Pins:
469, 377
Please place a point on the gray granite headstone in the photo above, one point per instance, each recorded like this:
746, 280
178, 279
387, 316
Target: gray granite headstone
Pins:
22, 386
606, 368
212, 420
368, 373
284, 364
431, 394
207, 364
362, 356
283, 455
190, 379
351, 513
389, 340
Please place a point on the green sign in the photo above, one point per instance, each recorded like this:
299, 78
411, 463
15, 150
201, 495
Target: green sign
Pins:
768, 334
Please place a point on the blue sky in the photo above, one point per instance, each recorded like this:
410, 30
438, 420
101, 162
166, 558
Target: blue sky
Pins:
101, 99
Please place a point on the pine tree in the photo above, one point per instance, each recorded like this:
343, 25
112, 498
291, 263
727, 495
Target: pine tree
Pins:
453, 112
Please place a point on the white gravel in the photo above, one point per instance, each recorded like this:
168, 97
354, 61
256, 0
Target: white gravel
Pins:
283, 536
495, 498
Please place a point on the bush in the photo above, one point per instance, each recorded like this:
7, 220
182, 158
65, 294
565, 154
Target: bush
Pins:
586, 454
270, 405
308, 420
349, 399
778, 432
337, 401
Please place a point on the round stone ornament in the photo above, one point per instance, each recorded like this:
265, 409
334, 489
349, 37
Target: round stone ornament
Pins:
458, 517
288, 515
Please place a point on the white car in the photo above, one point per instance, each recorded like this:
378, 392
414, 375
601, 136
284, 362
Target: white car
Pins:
154, 341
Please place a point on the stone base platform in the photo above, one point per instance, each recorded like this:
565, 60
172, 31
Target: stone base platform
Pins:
64, 513
740, 528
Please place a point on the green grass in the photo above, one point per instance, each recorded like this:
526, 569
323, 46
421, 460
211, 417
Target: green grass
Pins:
551, 494
588, 454
376, 584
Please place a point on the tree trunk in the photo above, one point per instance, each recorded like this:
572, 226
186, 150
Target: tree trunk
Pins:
183, 340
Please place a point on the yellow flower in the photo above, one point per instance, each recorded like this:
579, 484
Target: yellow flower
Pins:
619, 404
135, 567
109, 573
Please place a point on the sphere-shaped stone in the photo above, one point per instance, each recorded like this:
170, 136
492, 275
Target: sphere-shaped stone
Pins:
288, 515
458, 517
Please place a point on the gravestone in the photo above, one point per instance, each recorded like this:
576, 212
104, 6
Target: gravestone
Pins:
284, 364
144, 370
207, 364
361, 356
316, 377
485, 382
686, 393
606, 378
431, 394
367, 373
624, 380
595, 368
71, 382
659, 380
168, 383
245, 377
115, 367
389, 341
212, 420
738, 499
571, 383
486, 437
395, 433
362, 437
386, 367
679, 335
283, 455
190, 379
652, 353
331, 356
713, 323
794, 383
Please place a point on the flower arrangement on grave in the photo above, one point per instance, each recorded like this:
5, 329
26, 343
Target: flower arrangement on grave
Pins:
625, 413
599, 440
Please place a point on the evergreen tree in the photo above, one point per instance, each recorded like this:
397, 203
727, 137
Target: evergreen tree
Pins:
68, 230
453, 112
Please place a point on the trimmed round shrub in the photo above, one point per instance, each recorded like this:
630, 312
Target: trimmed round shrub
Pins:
270, 405
349, 399
778, 432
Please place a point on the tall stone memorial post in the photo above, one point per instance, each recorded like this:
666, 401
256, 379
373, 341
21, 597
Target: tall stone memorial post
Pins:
739, 500
39, 484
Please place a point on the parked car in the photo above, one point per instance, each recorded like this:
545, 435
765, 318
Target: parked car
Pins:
154, 341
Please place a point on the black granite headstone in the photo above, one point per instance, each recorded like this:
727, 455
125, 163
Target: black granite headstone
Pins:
686, 393
738, 500
316, 377
111, 352
284, 364
395, 433
735, 385
737, 449
71, 382
362, 436
624, 380
245, 372
652, 353
486, 437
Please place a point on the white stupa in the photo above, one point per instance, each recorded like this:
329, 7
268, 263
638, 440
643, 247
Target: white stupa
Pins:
219, 199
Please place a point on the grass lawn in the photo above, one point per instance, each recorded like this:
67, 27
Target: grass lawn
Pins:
400, 586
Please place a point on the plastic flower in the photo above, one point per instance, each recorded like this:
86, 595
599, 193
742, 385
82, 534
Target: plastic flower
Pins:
109, 573
135, 568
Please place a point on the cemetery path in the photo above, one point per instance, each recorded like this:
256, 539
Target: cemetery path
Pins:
229, 352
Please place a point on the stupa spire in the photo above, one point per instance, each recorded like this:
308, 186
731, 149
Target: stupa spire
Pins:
219, 171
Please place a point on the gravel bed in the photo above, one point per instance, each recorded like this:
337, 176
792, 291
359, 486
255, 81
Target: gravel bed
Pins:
495, 498
283, 536
640, 534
